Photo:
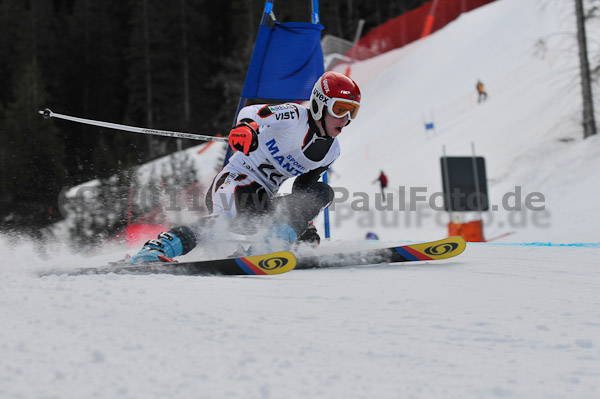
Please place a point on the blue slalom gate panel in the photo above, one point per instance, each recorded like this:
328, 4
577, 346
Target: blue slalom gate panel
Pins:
286, 62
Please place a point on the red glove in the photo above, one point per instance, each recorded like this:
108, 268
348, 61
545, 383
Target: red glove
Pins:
244, 137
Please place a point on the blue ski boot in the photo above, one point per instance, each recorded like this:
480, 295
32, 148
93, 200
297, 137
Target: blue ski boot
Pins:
165, 247
278, 238
281, 234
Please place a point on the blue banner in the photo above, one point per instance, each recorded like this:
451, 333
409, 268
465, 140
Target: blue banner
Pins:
286, 63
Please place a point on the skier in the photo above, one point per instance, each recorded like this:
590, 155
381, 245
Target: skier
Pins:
481, 93
273, 143
383, 181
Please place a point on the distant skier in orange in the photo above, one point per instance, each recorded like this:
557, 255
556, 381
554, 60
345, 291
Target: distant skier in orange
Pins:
481, 93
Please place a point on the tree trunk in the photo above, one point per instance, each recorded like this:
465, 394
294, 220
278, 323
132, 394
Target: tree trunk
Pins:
87, 49
185, 64
589, 123
148, 78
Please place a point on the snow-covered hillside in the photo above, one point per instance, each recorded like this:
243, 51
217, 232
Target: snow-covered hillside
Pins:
508, 319
528, 130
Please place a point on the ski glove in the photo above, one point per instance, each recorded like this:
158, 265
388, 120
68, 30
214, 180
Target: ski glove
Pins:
244, 136
310, 237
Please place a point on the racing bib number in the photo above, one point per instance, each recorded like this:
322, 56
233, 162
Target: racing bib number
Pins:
270, 173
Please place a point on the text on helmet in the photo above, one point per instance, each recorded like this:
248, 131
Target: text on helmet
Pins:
322, 97
326, 85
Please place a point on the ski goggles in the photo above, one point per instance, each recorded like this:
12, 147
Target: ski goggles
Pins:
339, 107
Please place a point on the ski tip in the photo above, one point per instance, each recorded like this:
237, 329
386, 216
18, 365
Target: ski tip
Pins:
441, 249
273, 263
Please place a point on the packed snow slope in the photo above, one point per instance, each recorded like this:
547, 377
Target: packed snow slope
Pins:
496, 322
507, 319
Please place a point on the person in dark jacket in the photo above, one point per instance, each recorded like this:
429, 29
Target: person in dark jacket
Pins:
383, 182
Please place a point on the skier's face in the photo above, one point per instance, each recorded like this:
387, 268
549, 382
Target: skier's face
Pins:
334, 125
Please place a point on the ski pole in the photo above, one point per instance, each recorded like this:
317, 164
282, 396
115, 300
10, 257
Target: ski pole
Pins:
49, 114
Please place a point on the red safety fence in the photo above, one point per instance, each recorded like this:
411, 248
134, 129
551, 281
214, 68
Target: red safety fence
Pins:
411, 26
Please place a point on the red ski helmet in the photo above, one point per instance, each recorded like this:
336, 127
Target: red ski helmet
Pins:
336, 92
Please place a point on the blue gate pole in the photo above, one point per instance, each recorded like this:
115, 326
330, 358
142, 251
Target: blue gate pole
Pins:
326, 212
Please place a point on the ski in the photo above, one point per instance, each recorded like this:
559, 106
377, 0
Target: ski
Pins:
269, 264
435, 250
282, 262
